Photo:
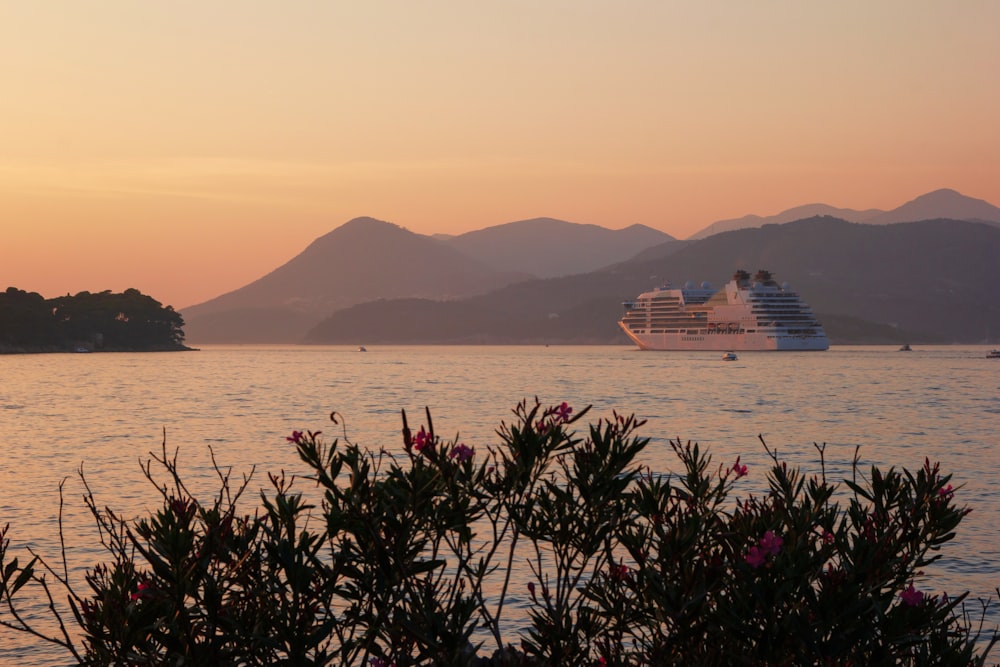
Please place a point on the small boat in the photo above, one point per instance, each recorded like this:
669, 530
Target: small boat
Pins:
729, 356
362, 348
993, 354
906, 348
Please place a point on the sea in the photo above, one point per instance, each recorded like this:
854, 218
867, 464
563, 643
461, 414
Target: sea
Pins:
234, 406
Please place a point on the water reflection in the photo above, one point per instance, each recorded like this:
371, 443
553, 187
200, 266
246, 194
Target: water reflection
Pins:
109, 411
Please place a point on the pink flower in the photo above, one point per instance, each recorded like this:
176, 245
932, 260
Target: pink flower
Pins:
422, 440
740, 471
296, 437
601, 662
619, 572
912, 596
755, 557
563, 411
768, 544
827, 537
179, 506
462, 453
946, 492
141, 591
771, 543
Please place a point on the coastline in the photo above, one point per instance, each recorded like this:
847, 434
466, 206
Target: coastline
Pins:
62, 349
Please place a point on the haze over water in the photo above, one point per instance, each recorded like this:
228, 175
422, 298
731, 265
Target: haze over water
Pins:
108, 411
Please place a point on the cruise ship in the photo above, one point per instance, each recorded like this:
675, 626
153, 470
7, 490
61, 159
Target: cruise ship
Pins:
757, 314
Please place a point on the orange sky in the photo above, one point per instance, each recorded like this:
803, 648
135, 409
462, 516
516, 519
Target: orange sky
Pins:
186, 148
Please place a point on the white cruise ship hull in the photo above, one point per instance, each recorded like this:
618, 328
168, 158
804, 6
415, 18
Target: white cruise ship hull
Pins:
727, 342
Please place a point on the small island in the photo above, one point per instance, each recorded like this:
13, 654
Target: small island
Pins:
88, 322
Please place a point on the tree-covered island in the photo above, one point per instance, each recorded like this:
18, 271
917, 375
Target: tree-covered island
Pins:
92, 322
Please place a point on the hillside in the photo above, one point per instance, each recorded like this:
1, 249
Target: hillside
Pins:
944, 203
367, 259
939, 204
931, 281
548, 248
362, 260
790, 215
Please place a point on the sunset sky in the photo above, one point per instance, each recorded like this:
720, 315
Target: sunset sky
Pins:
186, 148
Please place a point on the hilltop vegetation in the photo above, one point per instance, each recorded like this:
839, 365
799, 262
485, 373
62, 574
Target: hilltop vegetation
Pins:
105, 321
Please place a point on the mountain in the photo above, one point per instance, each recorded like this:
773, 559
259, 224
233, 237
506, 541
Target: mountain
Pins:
362, 260
547, 248
935, 278
792, 214
940, 204
367, 259
928, 281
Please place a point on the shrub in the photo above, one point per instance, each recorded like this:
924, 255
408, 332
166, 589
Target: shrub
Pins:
407, 559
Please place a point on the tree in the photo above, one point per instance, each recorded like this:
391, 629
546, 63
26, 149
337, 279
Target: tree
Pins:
104, 320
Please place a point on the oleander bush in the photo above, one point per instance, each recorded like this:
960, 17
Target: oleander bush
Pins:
407, 558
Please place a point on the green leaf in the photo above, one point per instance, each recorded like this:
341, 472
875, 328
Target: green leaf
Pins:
8, 571
26, 574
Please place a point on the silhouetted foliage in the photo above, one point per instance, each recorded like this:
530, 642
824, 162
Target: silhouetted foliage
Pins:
404, 557
106, 320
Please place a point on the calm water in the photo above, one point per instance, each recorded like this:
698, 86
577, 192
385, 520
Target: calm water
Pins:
108, 411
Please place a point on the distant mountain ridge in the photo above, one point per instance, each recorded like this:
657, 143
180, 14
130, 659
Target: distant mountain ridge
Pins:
367, 261
922, 282
556, 247
790, 215
939, 204
363, 260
